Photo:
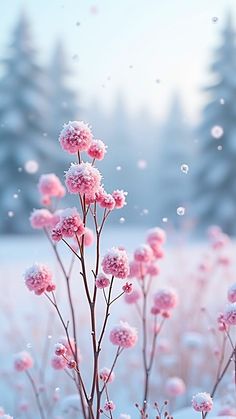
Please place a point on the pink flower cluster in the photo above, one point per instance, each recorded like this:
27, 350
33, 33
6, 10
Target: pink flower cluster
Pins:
230, 314
41, 218
175, 386
23, 361
102, 281
83, 179
97, 150
50, 186
232, 293
116, 263
123, 335
75, 136
38, 278
202, 402
165, 299
106, 375
69, 225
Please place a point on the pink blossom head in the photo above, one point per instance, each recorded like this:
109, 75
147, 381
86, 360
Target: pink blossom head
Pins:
102, 281
202, 402
107, 201
83, 179
232, 293
69, 225
127, 288
40, 218
222, 326
175, 386
97, 150
106, 375
230, 314
156, 235
58, 362
60, 349
153, 269
120, 198
38, 278
50, 185
133, 297
137, 270
88, 237
165, 299
123, 335
69, 345
23, 361
143, 253
109, 406
75, 136
158, 252
116, 263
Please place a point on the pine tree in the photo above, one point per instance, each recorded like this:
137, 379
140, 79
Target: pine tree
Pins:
215, 197
174, 150
63, 99
23, 128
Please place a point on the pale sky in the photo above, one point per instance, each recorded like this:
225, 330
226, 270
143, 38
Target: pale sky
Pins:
129, 44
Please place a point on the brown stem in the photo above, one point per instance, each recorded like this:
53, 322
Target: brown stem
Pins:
36, 393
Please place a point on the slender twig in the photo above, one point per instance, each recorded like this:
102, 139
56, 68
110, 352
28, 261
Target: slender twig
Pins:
36, 393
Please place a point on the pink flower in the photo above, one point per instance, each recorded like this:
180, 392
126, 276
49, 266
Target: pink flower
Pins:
232, 293
107, 201
116, 263
58, 363
202, 402
157, 250
230, 314
71, 364
123, 335
102, 281
37, 278
88, 237
222, 326
143, 253
23, 361
175, 386
153, 269
127, 288
109, 406
119, 197
97, 150
60, 349
83, 178
75, 136
69, 225
137, 270
50, 185
70, 346
156, 235
165, 299
40, 218
106, 375
133, 297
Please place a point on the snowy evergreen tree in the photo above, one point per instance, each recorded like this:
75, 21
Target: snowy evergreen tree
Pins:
23, 128
215, 197
120, 162
63, 99
174, 150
